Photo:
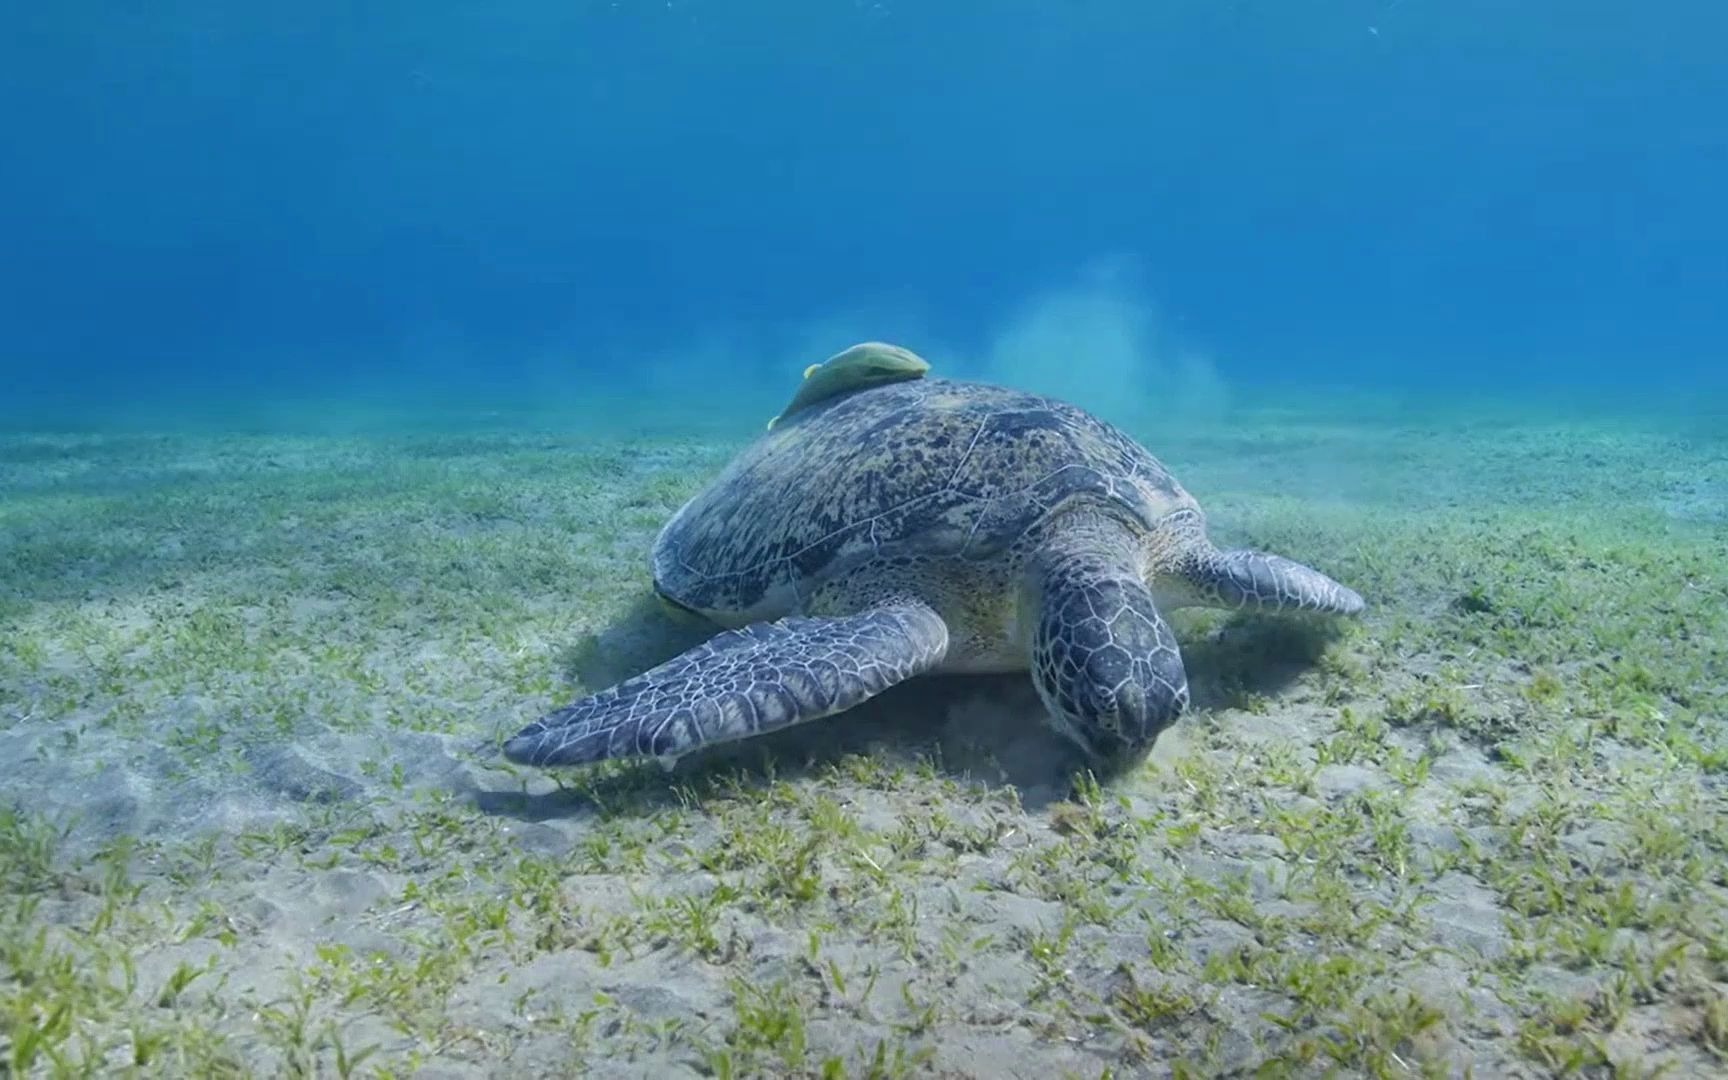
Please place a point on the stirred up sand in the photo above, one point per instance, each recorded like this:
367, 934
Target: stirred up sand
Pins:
254, 821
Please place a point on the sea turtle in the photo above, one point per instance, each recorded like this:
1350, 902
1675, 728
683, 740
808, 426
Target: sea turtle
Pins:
871, 363
927, 525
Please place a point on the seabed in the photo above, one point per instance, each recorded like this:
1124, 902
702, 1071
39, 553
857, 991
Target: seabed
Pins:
253, 820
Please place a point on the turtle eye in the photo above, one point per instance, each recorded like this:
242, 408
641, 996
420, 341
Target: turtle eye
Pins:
1102, 706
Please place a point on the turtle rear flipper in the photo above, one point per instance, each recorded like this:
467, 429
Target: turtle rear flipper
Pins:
741, 683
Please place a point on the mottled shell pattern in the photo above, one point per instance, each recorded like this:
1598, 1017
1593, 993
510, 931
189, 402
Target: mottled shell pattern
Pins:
922, 469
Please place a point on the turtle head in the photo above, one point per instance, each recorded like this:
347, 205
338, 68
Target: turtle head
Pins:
1104, 660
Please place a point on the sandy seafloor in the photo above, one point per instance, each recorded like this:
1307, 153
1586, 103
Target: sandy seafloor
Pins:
255, 824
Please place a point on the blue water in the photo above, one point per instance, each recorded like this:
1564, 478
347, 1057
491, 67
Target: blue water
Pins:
249, 203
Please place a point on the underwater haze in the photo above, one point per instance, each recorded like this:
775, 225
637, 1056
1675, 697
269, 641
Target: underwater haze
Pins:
240, 206
397, 399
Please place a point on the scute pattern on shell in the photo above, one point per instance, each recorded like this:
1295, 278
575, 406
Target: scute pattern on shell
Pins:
930, 468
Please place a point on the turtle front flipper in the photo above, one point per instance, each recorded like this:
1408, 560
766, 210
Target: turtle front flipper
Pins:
741, 683
1256, 579
1104, 660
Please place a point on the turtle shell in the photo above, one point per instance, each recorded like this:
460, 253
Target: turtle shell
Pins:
929, 468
